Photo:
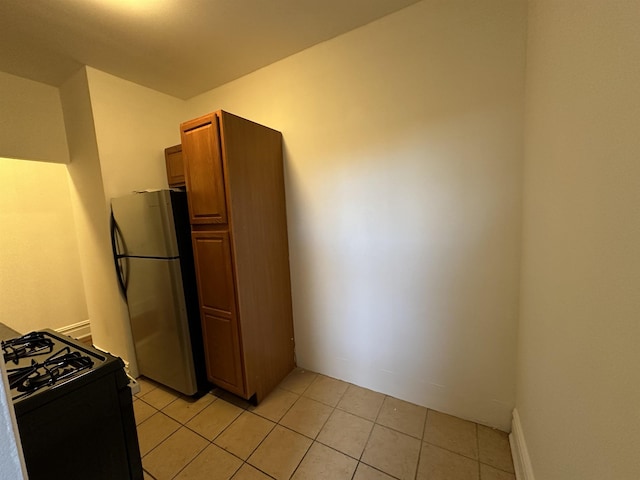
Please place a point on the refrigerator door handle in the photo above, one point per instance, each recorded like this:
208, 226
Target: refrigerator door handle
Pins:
117, 257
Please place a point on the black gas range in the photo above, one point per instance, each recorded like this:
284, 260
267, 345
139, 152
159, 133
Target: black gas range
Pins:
73, 407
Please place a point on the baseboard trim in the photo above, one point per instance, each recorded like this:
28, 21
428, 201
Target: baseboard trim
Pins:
78, 330
519, 452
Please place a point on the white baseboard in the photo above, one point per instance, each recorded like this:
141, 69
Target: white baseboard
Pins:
519, 452
77, 330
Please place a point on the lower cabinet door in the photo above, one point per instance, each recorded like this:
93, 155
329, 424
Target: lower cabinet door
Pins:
214, 272
222, 352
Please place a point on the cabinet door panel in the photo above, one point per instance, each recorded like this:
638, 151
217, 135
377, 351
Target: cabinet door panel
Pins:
222, 354
214, 272
175, 166
203, 170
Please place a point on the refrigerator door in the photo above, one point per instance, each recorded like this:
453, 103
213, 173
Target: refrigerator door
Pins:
146, 225
159, 323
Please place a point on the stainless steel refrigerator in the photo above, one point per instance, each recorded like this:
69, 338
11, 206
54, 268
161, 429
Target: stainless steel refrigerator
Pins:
151, 240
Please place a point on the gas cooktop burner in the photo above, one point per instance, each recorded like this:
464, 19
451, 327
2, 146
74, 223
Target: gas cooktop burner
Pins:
58, 366
29, 345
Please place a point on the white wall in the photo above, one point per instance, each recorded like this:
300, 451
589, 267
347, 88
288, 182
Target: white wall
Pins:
133, 126
40, 276
403, 154
31, 123
109, 321
578, 390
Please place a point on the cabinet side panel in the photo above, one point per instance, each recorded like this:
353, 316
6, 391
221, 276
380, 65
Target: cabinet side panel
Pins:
255, 186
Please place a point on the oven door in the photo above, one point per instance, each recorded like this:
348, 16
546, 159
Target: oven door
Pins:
88, 432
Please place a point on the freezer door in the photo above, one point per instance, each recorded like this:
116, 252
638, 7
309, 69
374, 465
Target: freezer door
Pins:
159, 323
146, 224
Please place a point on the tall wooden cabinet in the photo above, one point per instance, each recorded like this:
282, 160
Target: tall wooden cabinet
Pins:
235, 187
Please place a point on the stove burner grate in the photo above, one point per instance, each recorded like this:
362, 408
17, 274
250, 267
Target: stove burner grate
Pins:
58, 366
29, 345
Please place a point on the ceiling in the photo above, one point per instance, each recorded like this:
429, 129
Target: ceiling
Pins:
179, 47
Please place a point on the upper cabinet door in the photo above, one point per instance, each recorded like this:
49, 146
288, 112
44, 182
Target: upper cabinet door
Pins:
175, 166
203, 170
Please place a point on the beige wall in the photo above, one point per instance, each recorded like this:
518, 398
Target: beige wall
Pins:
578, 390
109, 320
120, 130
133, 126
31, 123
40, 276
403, 154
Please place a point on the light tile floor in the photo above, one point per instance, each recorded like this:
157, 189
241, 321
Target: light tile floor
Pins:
311, 427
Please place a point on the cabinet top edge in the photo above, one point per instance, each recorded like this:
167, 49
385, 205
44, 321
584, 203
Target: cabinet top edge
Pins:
173, 149
222, 115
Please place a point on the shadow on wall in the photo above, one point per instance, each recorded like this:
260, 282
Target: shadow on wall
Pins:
404, 262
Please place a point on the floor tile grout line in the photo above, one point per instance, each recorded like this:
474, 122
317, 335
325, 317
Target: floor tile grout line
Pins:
270, 431
305, 388
478, 450
397, 431
287, 411
171, 435
301, 460
156, 410
275, 424
290, 429
373, 426
378, 470
164, 439
256, 447
194, 416
202, 436
303, 434
191, 417
313, 440
194, 457
451, 451
336, 450
380, 409
148, 473
170, 403
497, 468
212, 442
298, 433
424, 429
333, 411
228, 425
320, 401
202, 411
253, 466
159, 388
357, 459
